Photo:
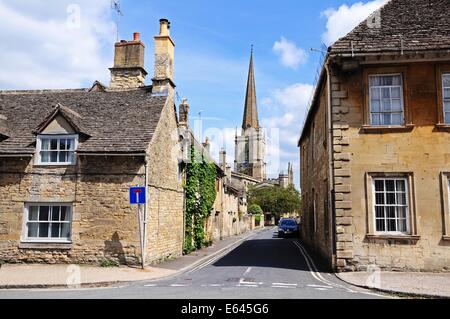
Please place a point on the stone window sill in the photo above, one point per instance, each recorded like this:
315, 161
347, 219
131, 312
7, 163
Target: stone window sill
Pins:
446, 238
408, 238
369, 129
442, 127
45, 246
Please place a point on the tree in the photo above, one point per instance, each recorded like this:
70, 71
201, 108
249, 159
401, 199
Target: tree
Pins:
255, 209
275, 200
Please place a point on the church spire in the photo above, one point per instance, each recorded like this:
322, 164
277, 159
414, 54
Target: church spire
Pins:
251, 110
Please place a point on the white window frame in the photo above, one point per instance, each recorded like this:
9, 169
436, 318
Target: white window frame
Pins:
407, 211
402, 99
56, 137
443, 97
26, 220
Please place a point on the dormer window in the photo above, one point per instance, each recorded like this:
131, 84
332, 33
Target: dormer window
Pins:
56, 149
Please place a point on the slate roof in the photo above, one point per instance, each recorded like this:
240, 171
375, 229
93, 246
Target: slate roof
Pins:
111, 122
422, 24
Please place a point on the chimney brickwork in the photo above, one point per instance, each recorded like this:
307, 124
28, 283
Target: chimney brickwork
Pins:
128, 71
163, 79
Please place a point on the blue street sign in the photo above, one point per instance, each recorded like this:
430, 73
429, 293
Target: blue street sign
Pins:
137, 195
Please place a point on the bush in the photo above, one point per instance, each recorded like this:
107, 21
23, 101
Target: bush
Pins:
109, 263
258, 218
255, 209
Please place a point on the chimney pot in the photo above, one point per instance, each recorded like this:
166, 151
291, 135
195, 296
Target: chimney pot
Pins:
136, 36
164, 27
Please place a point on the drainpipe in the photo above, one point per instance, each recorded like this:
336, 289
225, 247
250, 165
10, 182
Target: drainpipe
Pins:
331, 205
146, 208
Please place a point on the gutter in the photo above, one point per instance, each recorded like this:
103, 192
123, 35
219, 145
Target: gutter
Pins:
113, 154
146, 209
16, 155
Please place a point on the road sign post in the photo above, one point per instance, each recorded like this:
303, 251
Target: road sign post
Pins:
138, 197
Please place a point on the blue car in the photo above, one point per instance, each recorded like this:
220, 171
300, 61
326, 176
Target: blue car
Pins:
287, 227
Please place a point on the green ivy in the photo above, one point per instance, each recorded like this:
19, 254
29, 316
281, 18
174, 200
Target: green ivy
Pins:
200, 192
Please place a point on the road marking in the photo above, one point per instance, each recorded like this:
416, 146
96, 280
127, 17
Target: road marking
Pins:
319, 286
149, 285
322, 289
286, 287
281, 284
177, 285
215, 285
221, 253
248, 271
316, 274
247, 285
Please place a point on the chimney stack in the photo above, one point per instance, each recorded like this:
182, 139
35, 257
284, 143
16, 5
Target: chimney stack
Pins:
183, 112
163, 79
128, 71
223, 159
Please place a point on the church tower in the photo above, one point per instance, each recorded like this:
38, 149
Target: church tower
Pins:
250, 145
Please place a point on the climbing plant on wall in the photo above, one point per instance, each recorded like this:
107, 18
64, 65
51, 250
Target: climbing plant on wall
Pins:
200, 192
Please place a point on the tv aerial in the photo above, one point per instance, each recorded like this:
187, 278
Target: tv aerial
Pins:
115, 5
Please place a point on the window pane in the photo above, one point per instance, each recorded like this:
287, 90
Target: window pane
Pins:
396, 105
379, 212
401, 225
375, 106
379, 198
447, 106
62, 144
71, 144
392, 225
401, 211
446, 80
71, 157
397, 119
45, 144
53, 157
386, 119
44, 213
379, 185
63, 157
447, 117
55, 213
401, 198
375, 93
374, 80
400, 185
33, 212
385, 93
45, 157
65, 213
53, 144
447, 93
65, 230
386, 80
32, 230
397, 80
390, 198
376, 119
395, 92
55, 230
390, 212
43, 230
380, 225
390, 185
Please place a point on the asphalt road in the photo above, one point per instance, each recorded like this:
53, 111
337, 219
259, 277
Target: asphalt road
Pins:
262, 267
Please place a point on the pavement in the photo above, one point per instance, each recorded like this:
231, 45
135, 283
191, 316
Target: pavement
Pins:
415, 284
255, 266
18, 276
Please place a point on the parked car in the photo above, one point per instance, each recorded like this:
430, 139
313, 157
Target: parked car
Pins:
288, 227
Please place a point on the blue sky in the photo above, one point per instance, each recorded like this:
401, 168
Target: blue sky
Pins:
59, 44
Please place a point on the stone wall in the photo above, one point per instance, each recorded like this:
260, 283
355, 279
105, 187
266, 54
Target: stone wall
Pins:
421, 151
166, 210
104, 224
316, 226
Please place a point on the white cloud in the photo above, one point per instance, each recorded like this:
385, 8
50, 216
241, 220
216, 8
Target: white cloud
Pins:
285, 109
342, 20
55, 45
291, 56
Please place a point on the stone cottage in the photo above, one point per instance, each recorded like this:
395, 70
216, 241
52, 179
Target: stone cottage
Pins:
68, 158
375, 148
